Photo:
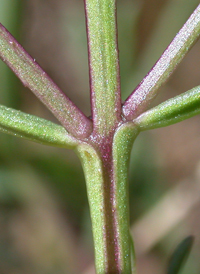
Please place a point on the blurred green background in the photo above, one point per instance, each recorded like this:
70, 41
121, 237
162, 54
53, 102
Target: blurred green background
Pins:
44, 217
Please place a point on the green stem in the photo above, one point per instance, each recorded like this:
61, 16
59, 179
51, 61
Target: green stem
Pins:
104, 67
107, 189
105, 157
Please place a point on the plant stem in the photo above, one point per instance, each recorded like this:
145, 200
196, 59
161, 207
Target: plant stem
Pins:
103, 64
144, 94
105, 159
33, 77
106, 179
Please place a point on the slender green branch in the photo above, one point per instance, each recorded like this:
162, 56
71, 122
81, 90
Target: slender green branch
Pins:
33, 77
33, 128
171, 111
92, 166
143, 95
122, 146
103, 62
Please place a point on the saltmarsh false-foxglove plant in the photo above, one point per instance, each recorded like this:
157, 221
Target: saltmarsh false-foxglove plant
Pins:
103, 143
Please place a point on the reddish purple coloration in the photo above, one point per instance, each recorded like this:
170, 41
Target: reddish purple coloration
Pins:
111, 240
106, 114
146, 91
102, 140
33, 77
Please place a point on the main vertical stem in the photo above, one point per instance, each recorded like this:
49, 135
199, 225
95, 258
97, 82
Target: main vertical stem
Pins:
106, 172
105, 157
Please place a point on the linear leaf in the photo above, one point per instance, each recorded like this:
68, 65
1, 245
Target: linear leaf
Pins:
33, 128
171, 111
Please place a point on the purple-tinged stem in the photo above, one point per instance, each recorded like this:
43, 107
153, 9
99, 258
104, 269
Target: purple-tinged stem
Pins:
106, 171
105, 161
146, 91
33, 77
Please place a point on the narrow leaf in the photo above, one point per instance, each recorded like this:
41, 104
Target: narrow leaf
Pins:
33, 128
180, 255
33, 77
171, 111
146, 91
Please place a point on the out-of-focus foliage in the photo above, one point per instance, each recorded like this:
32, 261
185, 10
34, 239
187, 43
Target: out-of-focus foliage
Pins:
180, 255
44, 218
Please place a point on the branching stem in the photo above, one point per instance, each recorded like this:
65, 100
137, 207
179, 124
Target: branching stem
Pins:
33, 77
143, 95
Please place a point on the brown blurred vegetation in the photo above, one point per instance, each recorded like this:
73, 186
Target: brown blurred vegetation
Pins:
44, 217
